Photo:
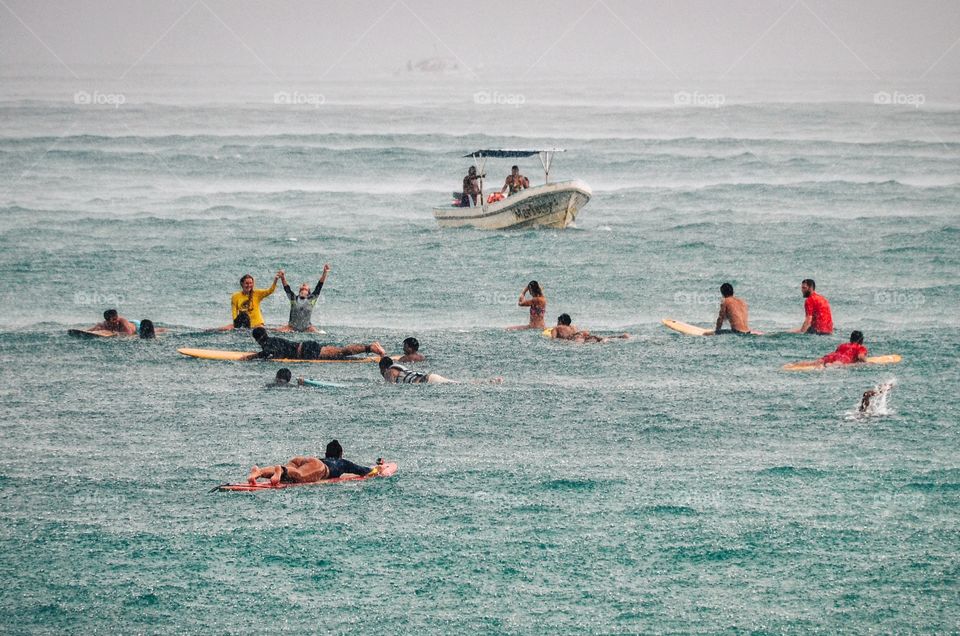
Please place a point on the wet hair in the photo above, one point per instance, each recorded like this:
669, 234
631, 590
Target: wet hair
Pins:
413, 343
245, 277
517, 168
726, 290
564, 319
259, 334
110, 314
284, 376
146, 329
535, 288
334, 450
857, 337
809, 282
385, 363
472, 170
242, 321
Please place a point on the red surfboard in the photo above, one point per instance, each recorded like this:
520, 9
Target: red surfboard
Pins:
387, 469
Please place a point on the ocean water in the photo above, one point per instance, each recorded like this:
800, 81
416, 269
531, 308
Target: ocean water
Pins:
661, 484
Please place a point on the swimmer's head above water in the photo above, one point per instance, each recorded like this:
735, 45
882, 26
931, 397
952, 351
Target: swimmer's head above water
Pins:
564, 319
411, 345
385, 363
283, 377
147, 330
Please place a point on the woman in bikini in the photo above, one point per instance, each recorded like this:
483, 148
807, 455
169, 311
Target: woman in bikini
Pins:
537, 303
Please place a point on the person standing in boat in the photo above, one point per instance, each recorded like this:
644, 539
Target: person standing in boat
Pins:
515, 182
537, 303
471, 188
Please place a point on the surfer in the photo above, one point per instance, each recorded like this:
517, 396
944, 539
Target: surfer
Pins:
273, 347
411, 351
308, 470
870, 397
247, 300
302, 304
282, 378
733, 309
471, 188
537, 304
818, 318
515, 182
147, 331
848, 352
115, 323
394, 373
565, 330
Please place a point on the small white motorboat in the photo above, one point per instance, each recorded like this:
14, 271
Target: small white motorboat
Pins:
552, 205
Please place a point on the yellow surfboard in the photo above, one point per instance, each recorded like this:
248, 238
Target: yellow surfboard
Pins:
243, 356
547, 333
814, 365
684, 328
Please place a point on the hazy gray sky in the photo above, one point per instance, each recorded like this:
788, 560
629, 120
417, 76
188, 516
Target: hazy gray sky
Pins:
669, 39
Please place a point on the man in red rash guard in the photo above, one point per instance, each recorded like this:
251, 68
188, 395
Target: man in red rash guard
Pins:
848, 352
818, 319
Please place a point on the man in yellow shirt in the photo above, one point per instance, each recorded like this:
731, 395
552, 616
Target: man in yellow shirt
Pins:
247, 300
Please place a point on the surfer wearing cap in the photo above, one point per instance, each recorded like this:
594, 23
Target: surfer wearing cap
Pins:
302, 304
115, 323
247, 300
537, 302
471, 188
273, 347
732, 309
411, 351
818, 319
308, 470
515, 182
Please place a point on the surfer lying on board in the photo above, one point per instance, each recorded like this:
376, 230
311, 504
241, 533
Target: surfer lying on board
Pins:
302, 304
394, 373
115, 323
273, 347
567, 331
818, 318
307, 470
537, 304
732, 309
411, 351
847, 353
245, 304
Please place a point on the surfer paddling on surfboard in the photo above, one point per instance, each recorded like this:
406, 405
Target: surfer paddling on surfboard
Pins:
245, 304
394, 373
307, 470
411, 351
818, 319
537, 304
115, 323
303, 303
567, 331
273, 347
734, 310
847, 353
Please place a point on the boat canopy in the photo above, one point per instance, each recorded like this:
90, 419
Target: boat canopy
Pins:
546, 157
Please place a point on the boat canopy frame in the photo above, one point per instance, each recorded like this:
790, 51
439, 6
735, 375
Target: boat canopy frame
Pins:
546, 158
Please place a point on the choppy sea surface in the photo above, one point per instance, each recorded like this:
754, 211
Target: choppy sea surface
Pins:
660, 484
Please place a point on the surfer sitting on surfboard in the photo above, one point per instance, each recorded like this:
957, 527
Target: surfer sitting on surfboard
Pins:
273, 347
537, 304
302, 304
114, 322
818, 318
306, 470
733, 309
247, 301
411, 351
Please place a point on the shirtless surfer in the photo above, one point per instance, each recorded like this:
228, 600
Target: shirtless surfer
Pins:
411, 351
734, 310
115, 323
565, 330
308, 470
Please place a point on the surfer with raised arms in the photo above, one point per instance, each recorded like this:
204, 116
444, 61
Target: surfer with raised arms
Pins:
281, 348
247, 301
302, 304
818, 319
411, 351
732, 309
115, 323
308, 470
537, 302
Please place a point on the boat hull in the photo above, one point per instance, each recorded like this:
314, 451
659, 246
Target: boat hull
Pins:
553, 205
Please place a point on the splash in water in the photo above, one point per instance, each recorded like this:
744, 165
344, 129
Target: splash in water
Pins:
874, 402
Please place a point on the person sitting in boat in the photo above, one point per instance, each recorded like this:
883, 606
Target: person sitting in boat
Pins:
471, 188
515, 182
537, 304
307, 470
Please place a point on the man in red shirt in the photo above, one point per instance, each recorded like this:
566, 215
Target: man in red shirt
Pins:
818, 318
848, 352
